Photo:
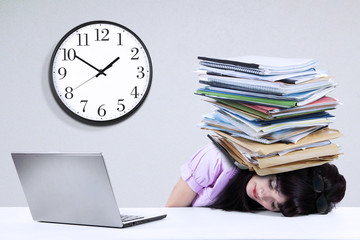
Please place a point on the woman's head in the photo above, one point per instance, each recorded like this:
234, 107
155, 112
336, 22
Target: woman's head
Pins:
300, 192
305, 191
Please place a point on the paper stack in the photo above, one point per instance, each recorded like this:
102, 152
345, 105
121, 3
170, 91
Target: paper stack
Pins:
271, 113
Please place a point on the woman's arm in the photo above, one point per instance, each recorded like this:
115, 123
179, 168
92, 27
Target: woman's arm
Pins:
181, 196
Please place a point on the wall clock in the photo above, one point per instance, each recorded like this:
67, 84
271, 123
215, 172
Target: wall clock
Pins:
100, 72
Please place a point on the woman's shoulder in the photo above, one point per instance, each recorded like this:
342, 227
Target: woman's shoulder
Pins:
210, 155
207, 165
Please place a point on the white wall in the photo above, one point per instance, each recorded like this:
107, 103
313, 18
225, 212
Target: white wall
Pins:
144, 153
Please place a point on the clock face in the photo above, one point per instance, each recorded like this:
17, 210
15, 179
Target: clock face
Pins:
100, 72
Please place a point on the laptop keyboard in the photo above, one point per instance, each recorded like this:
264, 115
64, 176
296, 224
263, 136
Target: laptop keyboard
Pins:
127, 218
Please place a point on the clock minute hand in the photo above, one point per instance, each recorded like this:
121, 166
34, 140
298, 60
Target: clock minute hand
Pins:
107, 67
89, 65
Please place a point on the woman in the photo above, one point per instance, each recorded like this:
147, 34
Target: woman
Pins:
210, 180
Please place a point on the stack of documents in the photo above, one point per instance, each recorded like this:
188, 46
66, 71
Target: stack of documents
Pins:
268, 111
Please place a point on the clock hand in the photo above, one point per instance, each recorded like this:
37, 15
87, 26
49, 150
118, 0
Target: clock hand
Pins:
89, 65
100, 72
107, 67
84, 82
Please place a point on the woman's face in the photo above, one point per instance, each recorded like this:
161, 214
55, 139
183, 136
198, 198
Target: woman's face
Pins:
264, 191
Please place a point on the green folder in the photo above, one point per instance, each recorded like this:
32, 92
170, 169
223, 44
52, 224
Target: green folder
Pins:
266, 101
265, 116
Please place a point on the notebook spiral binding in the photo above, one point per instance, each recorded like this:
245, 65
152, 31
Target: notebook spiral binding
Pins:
233, 68
252, 88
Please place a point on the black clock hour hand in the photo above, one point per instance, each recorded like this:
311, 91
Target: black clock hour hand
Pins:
107, 67
100, 72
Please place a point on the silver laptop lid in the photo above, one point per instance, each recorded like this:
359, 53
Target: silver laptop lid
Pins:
68, 188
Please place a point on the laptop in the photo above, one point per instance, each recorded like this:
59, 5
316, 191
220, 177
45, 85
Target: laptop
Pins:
72, 188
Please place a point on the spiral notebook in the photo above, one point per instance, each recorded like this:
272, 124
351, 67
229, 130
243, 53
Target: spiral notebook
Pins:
260, 65
276, 88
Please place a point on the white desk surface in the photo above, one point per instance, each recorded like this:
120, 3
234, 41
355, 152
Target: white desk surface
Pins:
191, 223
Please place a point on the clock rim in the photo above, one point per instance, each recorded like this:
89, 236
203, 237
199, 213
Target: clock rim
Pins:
86, 120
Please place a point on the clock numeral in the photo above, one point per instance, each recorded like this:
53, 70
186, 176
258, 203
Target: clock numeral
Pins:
101, 111
69, 94
102, 35
62, 72
120, 42
136, 50
141, 72
134, 92
121, 104
68, 54
83, 39
84, 101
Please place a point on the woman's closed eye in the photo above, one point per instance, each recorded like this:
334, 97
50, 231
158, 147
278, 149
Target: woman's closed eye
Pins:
273, 186
272, 183
274, 206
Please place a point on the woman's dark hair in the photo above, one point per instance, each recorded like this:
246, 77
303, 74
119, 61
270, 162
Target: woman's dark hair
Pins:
302, 194
299, 187
234, 197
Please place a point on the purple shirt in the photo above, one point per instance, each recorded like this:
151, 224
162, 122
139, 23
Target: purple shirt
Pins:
207, 173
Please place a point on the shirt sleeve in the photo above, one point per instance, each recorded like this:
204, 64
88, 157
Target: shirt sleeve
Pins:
203, 169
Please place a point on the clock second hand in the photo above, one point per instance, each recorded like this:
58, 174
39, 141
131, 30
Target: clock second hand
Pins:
84, 82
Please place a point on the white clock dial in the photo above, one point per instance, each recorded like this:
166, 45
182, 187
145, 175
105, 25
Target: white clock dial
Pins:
100, 72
